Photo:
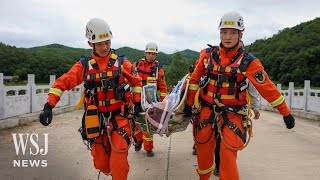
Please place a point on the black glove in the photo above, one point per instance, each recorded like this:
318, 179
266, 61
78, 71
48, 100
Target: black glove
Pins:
137, 109
46, 115
289, 120
187, 111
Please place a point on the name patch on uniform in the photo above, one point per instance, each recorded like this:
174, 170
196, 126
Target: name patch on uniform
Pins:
260, 77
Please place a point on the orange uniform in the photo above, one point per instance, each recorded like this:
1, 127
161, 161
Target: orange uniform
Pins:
116, 161
219, 83
150, 75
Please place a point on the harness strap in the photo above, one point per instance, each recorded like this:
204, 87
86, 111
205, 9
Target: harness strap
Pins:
232, 126
144, 72
204, 123
120, 131
199, 126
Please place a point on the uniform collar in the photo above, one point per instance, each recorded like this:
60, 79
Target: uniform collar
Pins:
229, 53
100, 59
148, 63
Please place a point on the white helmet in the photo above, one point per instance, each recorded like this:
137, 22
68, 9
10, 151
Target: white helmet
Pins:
232, 20
97, 30
151, 47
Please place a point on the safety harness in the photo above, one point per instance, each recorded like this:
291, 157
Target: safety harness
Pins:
151, 72
226, 82
107, 91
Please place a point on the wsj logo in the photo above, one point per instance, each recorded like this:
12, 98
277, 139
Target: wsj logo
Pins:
21, 141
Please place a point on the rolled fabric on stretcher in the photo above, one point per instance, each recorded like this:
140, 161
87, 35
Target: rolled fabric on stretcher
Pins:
178, 121
148, 99
166, 116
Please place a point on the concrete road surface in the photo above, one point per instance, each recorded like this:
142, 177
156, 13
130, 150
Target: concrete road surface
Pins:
274, 153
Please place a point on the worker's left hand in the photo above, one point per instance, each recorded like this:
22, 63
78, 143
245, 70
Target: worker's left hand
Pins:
45, 117
289, 120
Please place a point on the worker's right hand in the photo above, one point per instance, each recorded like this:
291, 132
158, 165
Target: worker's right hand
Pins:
289, 120
137, 109
46, 115
187, 111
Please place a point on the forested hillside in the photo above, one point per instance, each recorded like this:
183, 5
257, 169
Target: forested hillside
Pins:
293, 54
57, 59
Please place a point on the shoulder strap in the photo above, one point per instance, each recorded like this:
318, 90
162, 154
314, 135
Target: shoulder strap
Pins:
247, 59
213, 56
158, 65
84, 62
121, 59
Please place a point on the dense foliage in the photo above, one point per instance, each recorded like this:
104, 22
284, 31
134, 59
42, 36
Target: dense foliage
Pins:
293, 54
57, 59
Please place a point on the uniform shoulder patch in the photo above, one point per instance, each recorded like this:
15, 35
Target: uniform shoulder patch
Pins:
260, 77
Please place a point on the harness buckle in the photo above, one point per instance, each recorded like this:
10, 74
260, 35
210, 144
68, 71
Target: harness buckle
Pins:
222, 69
105, 83
222, 78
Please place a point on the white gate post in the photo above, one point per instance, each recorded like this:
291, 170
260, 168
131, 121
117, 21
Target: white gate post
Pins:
32, 90
306, 94
52, 79
290, 93
2, 96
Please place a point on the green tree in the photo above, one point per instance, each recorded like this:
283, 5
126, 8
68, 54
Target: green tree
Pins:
178, 68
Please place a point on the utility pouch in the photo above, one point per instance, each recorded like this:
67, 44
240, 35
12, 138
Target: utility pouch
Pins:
120, 92
90, 123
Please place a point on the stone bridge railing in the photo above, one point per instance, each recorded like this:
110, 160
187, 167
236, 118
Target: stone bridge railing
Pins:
18, 100
305, 99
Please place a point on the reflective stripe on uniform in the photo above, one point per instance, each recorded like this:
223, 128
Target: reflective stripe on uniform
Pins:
148, 139
205, 63
56, 91
163, 94
277, 101
111, 101
226, 68
194, 86
136, 89
137, 132
222, 96
214, 82
205, 171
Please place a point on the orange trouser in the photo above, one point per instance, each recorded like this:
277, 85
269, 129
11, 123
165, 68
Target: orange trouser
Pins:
144, 137
228, 157
115, 161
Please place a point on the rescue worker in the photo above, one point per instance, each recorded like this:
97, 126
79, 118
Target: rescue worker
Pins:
151, 72
103, 75
223, 99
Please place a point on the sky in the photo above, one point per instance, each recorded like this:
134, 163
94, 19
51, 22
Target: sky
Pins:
172, 24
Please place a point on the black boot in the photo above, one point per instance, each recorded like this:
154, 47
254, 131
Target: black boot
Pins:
138, 146
150, 153
194, 152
